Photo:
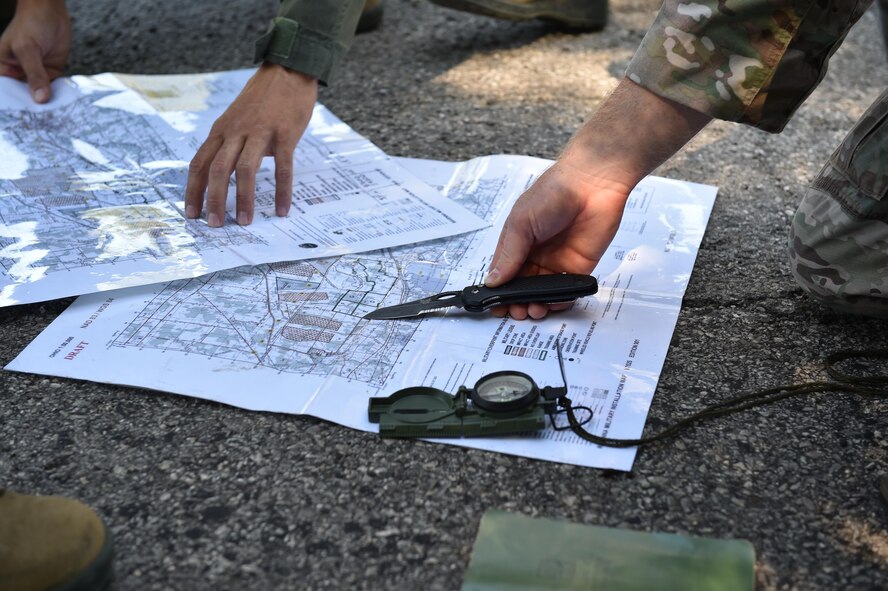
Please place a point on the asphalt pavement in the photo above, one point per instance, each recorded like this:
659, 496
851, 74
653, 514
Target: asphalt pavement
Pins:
203, 496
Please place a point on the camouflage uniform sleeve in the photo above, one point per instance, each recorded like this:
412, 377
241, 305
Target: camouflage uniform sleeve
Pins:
311, 36
750, 61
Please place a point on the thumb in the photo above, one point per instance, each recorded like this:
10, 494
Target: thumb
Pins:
31, 61
511, 252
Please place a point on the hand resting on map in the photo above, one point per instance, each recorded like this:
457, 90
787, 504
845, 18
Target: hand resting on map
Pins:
566, 220
34, 47
266, 119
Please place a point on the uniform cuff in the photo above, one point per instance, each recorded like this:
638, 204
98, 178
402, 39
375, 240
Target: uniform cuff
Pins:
297, 47
706, 61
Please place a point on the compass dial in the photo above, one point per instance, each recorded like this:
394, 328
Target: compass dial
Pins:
505, 391
505, 388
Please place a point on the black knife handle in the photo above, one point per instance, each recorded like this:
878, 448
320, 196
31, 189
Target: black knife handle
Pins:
546, 289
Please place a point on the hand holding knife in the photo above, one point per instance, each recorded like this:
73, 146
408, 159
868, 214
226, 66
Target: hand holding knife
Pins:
545, 289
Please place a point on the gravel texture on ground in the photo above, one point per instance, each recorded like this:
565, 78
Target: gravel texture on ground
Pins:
203, 496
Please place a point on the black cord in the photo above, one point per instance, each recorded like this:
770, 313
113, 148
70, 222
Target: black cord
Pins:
875, 386
555, 427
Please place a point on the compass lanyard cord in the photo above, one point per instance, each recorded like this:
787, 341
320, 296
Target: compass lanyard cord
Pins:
872, 386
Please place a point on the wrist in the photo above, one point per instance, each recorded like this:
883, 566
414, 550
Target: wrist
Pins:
29, 5
292, 81
44, 14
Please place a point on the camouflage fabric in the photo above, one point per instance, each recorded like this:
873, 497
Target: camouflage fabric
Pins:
311, 36
750, 61
839, 235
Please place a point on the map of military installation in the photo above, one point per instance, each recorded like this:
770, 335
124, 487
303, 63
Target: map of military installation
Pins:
93, 186
289, 336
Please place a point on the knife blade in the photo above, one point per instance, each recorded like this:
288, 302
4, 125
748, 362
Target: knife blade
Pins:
547, 289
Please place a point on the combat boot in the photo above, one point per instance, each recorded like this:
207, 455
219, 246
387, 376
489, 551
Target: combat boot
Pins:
577, 14
52, 543
371, 16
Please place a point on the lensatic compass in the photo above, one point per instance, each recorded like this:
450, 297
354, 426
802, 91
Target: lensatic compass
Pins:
499, 403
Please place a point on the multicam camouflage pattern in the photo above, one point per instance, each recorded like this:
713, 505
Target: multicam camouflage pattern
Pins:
839, 236
751, 61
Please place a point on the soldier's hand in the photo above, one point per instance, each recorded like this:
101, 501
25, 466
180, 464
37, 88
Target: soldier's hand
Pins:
563, 223
266, 119
34, 47
566, 220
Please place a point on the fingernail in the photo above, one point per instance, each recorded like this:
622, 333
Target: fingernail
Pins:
190, 212
282, 211
213, 220
41, 95
492, 277
242, 218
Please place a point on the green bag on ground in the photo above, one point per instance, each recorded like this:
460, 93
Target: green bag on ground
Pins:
515, 552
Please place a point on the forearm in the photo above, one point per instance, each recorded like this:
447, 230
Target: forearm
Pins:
631, 134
